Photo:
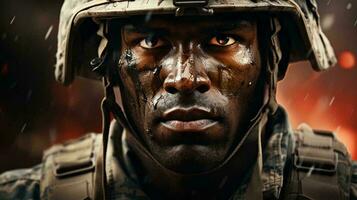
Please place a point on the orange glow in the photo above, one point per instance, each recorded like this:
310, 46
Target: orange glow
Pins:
309, 102
347, 60
347, 136
317, 120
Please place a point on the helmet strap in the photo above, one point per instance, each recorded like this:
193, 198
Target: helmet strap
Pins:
274, 57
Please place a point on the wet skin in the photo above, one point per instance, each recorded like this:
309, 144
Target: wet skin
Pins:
190, 86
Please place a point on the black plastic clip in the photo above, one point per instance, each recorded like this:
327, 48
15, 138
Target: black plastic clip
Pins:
192, 7
193, 11
190, 3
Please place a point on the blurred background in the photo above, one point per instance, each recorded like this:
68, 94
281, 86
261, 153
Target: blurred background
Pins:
36, 112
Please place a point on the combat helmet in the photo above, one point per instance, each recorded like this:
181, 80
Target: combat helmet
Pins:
78, 40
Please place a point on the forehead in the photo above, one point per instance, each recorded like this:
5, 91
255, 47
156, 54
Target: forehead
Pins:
191, 23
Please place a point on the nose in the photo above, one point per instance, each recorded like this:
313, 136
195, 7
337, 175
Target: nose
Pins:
187, 78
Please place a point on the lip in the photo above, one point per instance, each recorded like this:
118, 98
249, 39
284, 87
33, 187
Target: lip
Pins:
192, 119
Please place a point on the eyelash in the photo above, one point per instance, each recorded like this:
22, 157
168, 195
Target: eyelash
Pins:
237, 38
137, 41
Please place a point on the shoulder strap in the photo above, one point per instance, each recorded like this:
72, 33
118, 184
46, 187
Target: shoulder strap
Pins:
320, 167
69, 169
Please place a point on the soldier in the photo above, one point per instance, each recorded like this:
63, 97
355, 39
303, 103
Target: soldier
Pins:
191, 86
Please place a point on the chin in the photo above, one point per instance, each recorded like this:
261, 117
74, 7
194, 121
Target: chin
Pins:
190, 158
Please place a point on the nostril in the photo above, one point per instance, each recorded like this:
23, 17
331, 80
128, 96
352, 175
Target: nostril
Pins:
171, 89
203, 88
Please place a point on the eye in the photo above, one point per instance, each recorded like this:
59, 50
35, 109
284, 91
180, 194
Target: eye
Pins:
152, 42
222, 40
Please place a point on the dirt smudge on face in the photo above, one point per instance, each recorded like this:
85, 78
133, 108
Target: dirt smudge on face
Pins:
157, 101
134, 74
244, 56
157, 71
156, 82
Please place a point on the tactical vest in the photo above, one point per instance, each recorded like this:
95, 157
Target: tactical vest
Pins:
318, 167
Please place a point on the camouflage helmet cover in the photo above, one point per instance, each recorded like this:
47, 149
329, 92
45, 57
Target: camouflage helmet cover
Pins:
78, 40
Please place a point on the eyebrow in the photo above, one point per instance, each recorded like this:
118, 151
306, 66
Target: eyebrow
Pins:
241, 25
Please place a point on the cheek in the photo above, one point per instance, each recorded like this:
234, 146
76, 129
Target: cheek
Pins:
237, 78
240, 82
235, 68
142, 71
133, 92
238, 73
140, 83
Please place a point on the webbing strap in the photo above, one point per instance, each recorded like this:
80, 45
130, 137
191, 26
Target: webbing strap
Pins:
98, 176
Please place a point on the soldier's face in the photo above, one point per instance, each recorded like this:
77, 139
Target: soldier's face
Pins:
190, 86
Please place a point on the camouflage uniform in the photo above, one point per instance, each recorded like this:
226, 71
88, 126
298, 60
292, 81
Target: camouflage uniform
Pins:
25, 183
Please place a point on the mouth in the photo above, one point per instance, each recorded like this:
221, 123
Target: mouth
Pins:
193, 119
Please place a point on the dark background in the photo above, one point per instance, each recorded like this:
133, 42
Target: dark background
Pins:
36, 112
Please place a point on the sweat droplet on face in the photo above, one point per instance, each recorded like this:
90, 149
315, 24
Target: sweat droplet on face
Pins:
244, 55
